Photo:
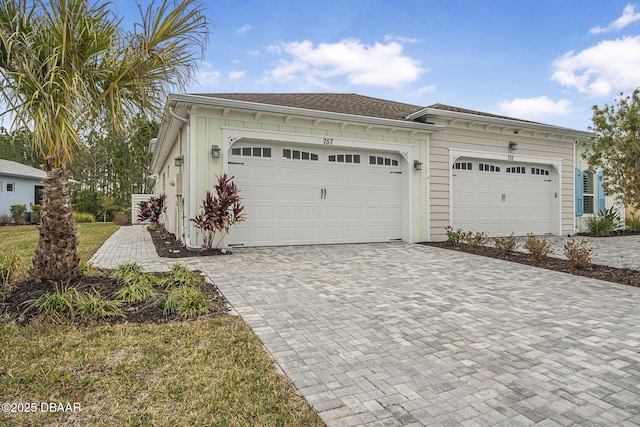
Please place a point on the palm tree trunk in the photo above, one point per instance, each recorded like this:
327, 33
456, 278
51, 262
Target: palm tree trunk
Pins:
56, 256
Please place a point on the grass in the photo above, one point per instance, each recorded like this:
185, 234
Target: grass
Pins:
22, 240
206, 372
201, 372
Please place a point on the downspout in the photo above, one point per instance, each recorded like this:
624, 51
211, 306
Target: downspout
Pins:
428, 213
186, 206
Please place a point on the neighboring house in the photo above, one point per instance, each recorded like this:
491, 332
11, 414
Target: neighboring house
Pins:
591, 198
341, 168
19, 185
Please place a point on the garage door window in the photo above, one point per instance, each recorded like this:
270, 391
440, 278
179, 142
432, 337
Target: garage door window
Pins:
251, 151
382, 161
485, 167
539, 171
465, 166
298, 155
517, 169
345, 158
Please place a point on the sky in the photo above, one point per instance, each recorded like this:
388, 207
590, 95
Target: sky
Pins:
542, 60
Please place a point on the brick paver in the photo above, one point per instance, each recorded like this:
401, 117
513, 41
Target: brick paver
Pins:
408, 335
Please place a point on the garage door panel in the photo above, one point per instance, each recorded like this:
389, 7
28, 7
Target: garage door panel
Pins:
304, 201
500, 202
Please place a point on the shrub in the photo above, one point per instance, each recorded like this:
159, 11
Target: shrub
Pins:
507, 244
578, 254
94, 307
181, 276
18, 213
152, 210
35, 214
65, 304
58, 305
606, 222
136, 285
476, 238
121, 219
634, 223
83, 217
454, 236
5, 219
126, 269
135, 291
191, 301
219, 212
539, 248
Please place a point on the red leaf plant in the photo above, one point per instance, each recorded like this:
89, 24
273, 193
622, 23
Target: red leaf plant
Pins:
219, 212
152, 211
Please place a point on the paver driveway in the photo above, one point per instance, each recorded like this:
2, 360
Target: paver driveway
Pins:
400, 334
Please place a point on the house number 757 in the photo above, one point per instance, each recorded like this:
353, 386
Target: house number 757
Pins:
328, 141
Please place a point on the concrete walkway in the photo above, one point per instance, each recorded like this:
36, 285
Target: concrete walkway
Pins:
407, 335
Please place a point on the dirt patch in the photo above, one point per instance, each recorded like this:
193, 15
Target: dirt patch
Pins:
13, 305
170, 247
623, 276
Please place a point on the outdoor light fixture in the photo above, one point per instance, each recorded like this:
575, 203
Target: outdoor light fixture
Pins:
417, 165
178, 161
513, 145
215, 152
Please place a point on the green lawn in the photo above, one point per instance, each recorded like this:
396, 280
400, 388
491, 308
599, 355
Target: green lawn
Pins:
204, 372
21, 241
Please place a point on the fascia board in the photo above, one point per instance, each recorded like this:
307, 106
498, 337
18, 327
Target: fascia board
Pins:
278, 109
500, 121
165, 127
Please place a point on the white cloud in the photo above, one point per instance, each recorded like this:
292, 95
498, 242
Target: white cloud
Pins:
392, 37
235, 75
611, 65
629, 16
207, 78
244, 29
533, 108
381, 64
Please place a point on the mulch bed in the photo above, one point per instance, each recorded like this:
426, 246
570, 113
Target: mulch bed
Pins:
623, 276
12, 306
170, 247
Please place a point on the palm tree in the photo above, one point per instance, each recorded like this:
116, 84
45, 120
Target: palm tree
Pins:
67, 65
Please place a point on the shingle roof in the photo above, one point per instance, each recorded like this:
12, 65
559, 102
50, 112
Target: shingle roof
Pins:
345, 103
8, 167
477, 113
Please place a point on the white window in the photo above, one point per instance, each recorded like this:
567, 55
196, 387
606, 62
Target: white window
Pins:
11, 187
588, 192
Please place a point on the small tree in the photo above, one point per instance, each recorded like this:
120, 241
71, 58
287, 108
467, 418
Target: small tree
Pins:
616, 147
219, 212
152, 211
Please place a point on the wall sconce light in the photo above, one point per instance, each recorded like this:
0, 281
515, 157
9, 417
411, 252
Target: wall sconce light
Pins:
215, 152
417, 165
178, 161
513, 145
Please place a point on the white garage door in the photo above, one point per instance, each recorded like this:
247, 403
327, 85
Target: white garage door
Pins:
307, 195
501, 198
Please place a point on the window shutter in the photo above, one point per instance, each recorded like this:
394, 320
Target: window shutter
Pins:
601, 196
579, 184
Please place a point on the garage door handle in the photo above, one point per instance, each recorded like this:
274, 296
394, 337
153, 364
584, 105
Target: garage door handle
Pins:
323, 193
504, 197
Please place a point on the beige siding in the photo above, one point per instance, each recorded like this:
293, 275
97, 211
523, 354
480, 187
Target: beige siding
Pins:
485, 139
